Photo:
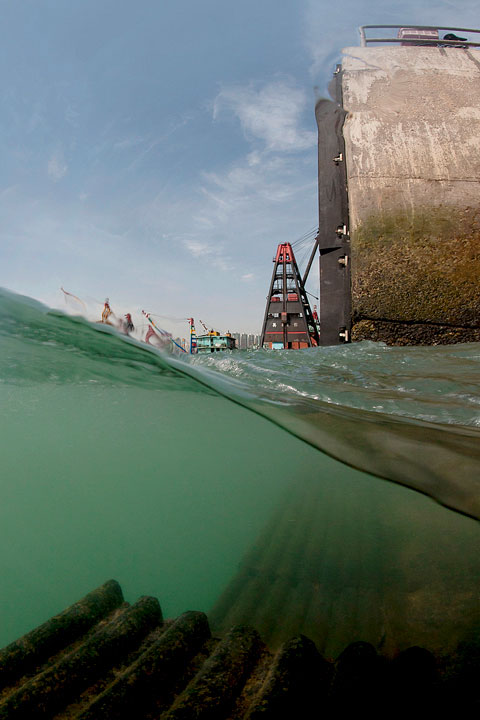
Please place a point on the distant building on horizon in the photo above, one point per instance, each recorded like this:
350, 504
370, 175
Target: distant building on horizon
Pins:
245, 341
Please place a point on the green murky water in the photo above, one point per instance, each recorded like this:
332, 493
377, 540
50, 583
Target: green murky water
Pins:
170, 476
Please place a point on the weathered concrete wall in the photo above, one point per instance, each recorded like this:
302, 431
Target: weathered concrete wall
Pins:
412, 139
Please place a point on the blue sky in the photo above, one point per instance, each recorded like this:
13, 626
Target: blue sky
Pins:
157, 151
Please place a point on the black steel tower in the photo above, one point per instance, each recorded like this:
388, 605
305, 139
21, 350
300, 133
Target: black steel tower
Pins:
288, 321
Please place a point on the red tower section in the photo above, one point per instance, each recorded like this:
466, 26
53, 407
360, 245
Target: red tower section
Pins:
288, 321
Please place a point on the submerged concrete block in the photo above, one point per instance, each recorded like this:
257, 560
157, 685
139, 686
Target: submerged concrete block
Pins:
41, 643
50, 691
212, 692
297, 684
155, 673
359, 677
131, 665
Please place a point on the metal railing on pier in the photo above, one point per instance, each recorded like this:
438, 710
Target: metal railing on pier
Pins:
421, 35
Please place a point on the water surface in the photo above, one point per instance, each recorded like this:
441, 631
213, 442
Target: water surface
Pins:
183, 478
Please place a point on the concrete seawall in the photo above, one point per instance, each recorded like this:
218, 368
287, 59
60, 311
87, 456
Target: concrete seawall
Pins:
412, 141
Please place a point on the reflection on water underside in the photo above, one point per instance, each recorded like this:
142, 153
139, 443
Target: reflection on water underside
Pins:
339, 562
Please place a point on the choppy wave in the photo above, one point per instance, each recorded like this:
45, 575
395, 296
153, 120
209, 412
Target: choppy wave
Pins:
411, 415
434, 384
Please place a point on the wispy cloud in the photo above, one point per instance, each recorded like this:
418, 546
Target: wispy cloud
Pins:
205, 250
260, 192
243, 188
198, 249
272, 171
152, 143
57, 167
271, 113
128, 143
